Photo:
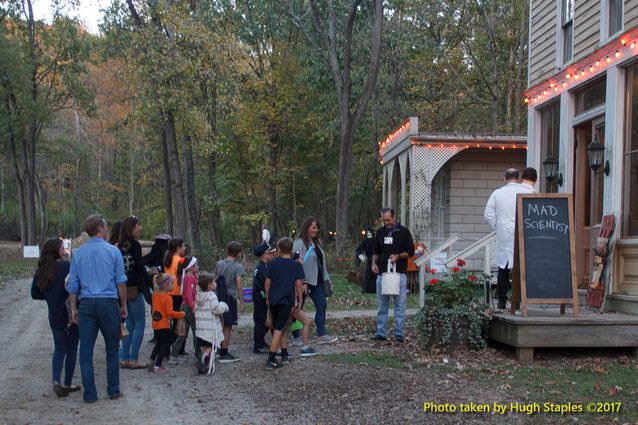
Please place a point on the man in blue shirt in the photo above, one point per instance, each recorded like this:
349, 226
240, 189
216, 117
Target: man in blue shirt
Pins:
98, 280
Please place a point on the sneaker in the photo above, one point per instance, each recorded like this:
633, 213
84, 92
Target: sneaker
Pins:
173, 361
308, 352
202, 363
285, 359
228, 358
326, 339
261, 350
159, 369
270, 365
378, 337
297, 342
150, 366
399, 339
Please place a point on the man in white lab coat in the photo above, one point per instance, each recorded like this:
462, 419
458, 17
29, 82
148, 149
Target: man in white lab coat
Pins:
500, 213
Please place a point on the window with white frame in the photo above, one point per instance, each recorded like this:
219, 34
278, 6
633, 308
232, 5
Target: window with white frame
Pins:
550, 128
567, 24
614, 17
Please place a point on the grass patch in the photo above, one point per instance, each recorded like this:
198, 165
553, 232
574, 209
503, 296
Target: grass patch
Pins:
561, 384
345, 296
16, 269
372, 359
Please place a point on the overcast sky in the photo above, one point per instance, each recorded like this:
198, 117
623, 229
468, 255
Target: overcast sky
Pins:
88, 12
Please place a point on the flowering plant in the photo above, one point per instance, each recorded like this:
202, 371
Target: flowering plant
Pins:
456, 287
454, 313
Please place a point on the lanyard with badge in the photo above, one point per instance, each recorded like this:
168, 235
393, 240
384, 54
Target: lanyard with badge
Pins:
388, 240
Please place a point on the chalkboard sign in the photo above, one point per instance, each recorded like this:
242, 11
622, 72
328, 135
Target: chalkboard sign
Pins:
545, 245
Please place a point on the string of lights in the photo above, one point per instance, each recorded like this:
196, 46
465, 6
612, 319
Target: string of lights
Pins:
620, 49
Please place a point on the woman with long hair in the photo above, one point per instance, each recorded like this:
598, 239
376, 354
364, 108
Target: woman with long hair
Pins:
116, 232
313, 258
48, 284
137, 289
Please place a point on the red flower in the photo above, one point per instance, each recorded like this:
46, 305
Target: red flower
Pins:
456, 269
472, 278
460, 262
432, 271
434, 281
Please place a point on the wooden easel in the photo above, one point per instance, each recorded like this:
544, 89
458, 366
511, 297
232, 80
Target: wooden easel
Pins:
519, 288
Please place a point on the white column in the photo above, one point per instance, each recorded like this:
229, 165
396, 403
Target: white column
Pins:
384, 194
390, 168
614, 141
403, 173
534, 140
566, 142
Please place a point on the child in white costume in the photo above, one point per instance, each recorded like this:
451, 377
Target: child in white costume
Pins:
208, 316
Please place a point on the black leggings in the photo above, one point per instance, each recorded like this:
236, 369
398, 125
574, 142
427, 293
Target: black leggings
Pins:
502, 285
162, 346
259, 316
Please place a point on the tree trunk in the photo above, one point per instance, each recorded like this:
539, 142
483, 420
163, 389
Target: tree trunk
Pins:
189, 173
21, 192
521, 65
210, 99
350, 110
41, 202
343, 183
168, 194
177, 183
131, 180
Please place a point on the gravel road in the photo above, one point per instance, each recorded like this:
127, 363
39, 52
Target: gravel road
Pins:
308, 391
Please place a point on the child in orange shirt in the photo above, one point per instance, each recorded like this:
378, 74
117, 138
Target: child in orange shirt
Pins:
162, 310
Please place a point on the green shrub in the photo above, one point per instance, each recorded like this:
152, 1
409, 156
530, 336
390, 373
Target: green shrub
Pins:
454, 314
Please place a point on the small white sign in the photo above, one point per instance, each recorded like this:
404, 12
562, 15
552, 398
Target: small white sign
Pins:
438, 262
31, 251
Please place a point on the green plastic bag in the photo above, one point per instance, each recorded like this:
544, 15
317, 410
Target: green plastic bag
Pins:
296, 325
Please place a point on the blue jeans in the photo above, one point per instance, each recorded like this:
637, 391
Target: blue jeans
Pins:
65, 353
383, 303
135, 323
99, 314
318, 296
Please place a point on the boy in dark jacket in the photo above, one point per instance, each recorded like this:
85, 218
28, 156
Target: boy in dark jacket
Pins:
284, 291
265, 254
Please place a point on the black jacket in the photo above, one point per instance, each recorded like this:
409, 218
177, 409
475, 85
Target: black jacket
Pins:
401, 242
134, 267
55, 296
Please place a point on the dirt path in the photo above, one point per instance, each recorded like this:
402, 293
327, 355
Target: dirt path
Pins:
308, 391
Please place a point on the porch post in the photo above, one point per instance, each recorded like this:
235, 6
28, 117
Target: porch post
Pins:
403, 172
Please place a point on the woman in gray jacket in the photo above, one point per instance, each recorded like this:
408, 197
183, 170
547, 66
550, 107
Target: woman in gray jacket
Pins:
313, 259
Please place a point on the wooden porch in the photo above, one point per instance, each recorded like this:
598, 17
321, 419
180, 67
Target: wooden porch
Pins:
545, 327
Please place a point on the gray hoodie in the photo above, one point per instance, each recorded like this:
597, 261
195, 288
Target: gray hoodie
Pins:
311, 265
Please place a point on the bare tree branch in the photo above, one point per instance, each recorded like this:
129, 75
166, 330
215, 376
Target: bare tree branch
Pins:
136, 17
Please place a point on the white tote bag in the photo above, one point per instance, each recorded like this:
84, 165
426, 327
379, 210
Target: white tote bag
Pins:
391, 281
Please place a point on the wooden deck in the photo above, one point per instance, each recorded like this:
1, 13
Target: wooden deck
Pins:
545, 327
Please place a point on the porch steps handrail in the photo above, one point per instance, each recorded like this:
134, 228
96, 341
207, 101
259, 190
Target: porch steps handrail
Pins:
420, 262
444, 246
485, 243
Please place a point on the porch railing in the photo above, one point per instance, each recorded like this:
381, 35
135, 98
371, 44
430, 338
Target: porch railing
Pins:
421, 261
486, 243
